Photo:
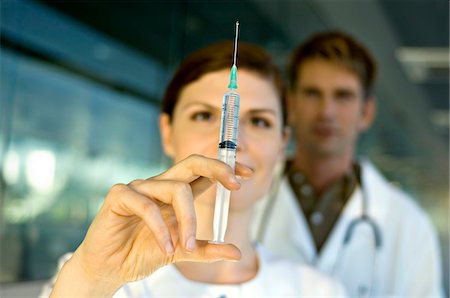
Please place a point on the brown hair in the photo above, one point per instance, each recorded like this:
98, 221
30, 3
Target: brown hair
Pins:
219, 56
337, 47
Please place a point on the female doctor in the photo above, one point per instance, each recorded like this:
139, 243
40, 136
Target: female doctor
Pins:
149, 238
331, 210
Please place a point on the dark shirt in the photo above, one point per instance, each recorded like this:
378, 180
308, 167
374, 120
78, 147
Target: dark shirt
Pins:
321, 211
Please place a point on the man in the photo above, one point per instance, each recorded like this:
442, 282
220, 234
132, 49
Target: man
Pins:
335, 212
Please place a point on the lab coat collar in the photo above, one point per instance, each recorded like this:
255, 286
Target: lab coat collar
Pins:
303, 238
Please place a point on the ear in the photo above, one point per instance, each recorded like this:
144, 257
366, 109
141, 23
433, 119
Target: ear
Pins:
165, 128
369, 110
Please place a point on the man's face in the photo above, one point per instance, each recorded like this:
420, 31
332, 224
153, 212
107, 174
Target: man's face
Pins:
327, 109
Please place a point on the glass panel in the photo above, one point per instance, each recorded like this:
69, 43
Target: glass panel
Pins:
69, 140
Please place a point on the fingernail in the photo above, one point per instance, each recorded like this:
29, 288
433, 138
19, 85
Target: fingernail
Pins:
234, 180
232, 260
169, 248
227, 260
190, 244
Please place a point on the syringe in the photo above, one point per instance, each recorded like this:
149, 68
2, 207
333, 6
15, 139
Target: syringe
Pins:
227, 147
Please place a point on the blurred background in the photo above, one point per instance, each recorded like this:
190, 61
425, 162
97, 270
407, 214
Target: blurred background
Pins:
81, 83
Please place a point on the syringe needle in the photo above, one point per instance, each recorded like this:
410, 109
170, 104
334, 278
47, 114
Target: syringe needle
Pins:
227, 148
235, 42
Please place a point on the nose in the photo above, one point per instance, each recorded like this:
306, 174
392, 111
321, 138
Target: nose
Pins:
327, 107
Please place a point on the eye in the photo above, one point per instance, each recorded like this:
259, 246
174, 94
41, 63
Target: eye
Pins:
202, 116
260, 122
310, 93
345, 95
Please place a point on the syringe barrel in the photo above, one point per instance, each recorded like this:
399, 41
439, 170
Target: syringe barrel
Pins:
229, 121
222, 204
227, 154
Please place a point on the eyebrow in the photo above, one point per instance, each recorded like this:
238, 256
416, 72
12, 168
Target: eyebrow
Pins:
345, 91
338, 91
195, 103
272, 112
262, 110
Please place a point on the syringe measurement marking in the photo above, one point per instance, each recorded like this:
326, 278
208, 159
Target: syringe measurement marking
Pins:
230, 119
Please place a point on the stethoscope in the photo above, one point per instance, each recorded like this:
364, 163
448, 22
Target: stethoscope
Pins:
365, 219
364, 290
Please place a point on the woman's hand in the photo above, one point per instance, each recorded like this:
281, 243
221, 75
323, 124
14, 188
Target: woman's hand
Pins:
145, 225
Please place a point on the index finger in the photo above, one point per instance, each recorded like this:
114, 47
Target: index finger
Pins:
195, 166
201, 184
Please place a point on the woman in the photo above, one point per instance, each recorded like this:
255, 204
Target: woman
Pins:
167, 219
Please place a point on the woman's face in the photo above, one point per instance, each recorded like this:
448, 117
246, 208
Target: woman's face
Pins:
195, 128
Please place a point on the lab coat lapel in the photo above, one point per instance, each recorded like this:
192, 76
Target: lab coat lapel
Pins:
376, 191
299, 232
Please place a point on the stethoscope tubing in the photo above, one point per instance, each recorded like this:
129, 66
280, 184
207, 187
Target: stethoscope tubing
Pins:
364, 218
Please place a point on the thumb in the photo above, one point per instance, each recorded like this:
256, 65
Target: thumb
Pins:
206, 252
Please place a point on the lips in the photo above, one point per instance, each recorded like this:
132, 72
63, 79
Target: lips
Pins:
324, 131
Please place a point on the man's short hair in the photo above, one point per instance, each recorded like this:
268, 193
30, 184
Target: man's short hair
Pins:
336, 47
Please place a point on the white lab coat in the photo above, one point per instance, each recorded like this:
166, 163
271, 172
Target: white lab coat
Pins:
275, 278
408, 263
